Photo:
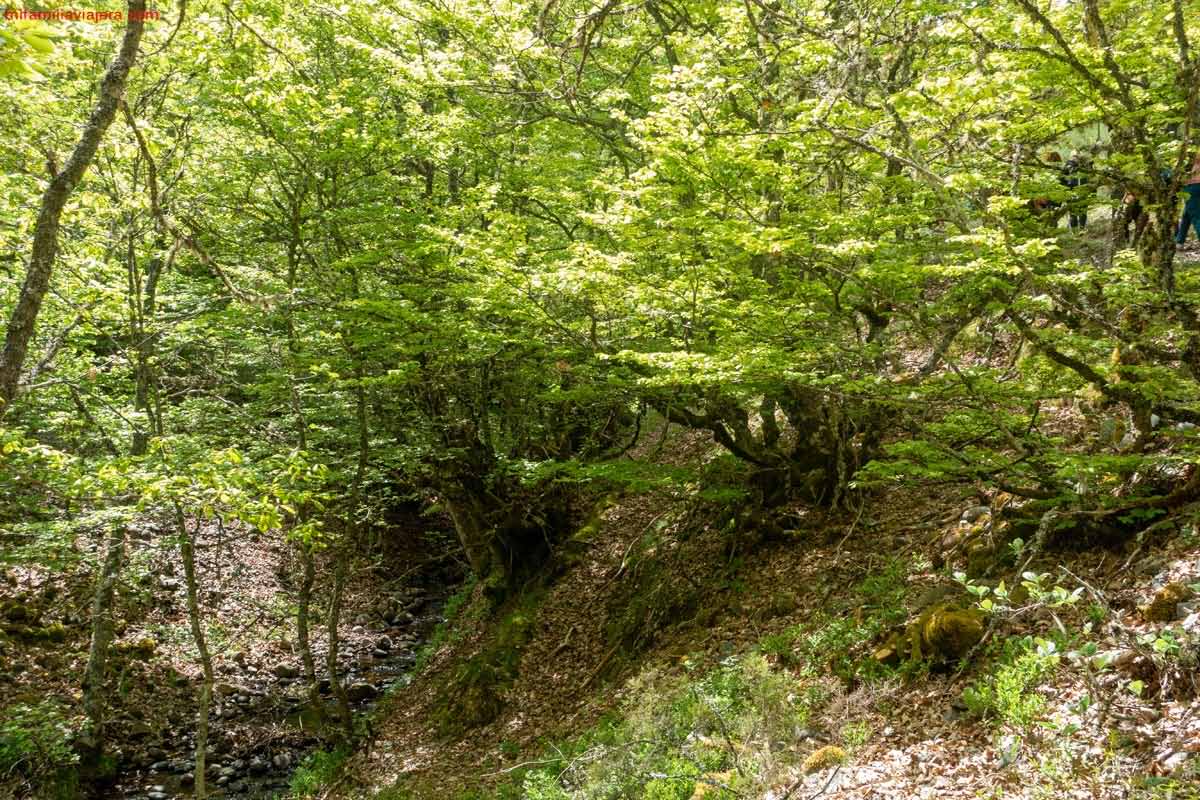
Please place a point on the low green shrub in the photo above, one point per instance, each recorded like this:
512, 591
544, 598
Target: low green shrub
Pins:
1006, 693
836, 642
36, 746
316, 772
709, 734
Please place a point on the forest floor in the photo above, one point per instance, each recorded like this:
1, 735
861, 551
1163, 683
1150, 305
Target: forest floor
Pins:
1100, 732
262, 724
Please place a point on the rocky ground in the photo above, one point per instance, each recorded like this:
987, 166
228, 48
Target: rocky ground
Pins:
262, 723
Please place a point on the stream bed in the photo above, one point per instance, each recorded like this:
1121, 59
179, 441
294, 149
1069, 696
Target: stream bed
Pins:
263, 724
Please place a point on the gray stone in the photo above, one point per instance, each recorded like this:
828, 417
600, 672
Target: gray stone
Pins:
285, 671
974, 514
360, 691
282, 761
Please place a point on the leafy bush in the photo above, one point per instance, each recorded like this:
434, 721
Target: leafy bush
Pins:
834, 641
728, 727
35, 742
317, 771
1006, 695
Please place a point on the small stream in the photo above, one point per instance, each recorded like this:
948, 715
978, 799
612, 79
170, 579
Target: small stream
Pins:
263, 724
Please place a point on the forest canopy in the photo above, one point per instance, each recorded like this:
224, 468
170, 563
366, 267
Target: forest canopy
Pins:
295, 266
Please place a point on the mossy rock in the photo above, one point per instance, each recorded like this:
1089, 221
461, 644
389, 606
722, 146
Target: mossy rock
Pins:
948, 633
54, 632
17, 612
891, 651
823, 758
1162, 607
942, 634
143, 649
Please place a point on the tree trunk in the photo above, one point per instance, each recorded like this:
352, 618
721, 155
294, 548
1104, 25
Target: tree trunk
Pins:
188, 551
304, 604
342, 701
54, 199
142, 297
102, 633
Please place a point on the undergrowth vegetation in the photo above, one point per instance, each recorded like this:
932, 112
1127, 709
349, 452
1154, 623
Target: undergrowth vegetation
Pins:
727, 732
35, 743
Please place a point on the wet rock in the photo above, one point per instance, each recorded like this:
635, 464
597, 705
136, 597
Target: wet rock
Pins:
285, 671
187, 779
168, 584
359, 691
138, 729
387, 609
160, 766
258, 765
282, 761
377, 653
155, 795
156, 754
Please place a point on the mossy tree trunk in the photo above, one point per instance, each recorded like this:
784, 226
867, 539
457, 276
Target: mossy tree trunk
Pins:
196, 621
94, 698
45, 232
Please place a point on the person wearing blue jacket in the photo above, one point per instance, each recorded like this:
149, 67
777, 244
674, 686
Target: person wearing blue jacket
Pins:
1191, 208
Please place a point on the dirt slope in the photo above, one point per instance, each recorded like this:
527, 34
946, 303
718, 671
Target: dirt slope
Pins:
708, 595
